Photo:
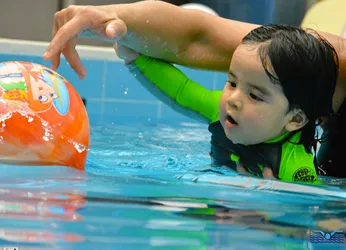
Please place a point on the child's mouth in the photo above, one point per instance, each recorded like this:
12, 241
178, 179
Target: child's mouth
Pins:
231, 120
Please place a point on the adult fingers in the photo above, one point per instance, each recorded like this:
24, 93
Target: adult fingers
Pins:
64, 35
73, 58
116, 29
55, 58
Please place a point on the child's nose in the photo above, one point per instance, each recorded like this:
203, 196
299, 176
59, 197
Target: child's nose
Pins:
234, 100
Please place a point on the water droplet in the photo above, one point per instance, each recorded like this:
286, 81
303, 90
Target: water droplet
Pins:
30, 119
148, 21
140, 135
164, 44
45, 138
80, 148
125, 92
44, 123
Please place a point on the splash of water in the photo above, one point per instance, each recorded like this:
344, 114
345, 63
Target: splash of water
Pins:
78, 146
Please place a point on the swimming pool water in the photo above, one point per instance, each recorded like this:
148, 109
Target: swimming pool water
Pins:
151, 186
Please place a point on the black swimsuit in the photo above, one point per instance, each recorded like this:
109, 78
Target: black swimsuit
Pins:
332, 154
267, 154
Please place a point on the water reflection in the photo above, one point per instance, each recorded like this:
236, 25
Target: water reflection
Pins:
34, 205
25, 235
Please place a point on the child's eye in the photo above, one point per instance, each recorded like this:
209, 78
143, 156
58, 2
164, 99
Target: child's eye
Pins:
256, 98
232, 84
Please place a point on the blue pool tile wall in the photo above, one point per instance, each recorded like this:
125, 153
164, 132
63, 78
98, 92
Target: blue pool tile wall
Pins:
112, 94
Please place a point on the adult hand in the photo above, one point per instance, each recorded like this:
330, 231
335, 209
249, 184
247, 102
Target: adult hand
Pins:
91, 21
267, 172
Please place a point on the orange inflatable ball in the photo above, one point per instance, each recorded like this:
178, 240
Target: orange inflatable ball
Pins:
43, 120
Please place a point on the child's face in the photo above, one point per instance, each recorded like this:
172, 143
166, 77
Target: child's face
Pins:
252, 109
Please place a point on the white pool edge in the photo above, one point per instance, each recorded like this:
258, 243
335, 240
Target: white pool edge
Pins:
37, 48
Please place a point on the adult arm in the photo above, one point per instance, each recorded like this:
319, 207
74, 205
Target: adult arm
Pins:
158, 29
153, 28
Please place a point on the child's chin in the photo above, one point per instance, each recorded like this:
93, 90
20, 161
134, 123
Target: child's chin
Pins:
234, 140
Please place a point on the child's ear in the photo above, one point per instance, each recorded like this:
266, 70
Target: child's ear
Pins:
297, 121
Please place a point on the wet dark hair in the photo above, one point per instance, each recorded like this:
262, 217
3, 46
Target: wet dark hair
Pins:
305, 65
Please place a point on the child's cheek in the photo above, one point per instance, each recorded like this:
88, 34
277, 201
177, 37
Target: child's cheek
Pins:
258, 117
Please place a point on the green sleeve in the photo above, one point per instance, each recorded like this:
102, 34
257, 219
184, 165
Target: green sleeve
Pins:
296, 164
172, 87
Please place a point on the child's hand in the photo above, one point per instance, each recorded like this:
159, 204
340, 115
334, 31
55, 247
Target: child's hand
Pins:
267, 172
128, 55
